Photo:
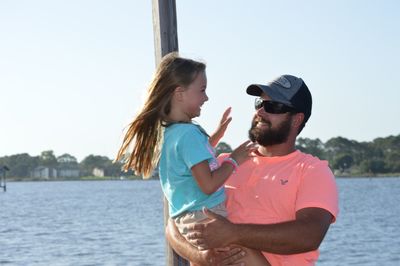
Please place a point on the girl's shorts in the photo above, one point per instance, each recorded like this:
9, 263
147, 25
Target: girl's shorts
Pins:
188, 218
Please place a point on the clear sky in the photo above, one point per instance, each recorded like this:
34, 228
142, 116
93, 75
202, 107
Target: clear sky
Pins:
74, 73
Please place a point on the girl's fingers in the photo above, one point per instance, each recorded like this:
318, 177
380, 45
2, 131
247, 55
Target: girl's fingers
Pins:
244, 144
226, 122
226, 113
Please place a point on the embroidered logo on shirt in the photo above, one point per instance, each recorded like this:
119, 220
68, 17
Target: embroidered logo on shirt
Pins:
284, 181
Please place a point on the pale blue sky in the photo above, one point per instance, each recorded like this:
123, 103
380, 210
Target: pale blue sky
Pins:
74, 73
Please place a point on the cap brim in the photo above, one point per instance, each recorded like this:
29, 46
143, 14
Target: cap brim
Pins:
254, 90
257, 90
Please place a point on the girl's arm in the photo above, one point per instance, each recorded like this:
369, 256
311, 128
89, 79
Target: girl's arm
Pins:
223, 125
209, 181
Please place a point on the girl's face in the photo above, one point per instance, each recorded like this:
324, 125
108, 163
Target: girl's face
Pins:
194, 96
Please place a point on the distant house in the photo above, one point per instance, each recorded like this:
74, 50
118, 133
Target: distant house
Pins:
98, 172
44, 172
68, 172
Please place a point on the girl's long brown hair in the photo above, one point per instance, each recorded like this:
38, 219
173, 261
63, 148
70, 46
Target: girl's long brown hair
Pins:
145, 132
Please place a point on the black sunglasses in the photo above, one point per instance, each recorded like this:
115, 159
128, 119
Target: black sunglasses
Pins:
273, 107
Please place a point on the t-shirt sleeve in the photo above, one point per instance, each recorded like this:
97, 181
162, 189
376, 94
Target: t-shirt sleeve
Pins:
194, 147
318, 189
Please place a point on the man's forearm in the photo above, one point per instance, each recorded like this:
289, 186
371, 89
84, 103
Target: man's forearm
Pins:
283, 238
301, 235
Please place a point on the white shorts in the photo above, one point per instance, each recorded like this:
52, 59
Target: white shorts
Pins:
191, 217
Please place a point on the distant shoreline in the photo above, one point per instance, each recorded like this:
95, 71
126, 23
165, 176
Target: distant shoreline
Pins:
17, 179
368, 176
86, 178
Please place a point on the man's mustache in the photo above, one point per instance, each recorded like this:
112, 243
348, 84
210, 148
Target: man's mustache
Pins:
260, 119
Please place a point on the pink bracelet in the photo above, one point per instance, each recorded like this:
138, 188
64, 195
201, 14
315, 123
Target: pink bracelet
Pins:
232, 162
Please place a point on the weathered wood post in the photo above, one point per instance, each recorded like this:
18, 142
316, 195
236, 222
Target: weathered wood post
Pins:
166, 41
164, 28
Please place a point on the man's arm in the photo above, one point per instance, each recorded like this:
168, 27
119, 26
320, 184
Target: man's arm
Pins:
303, 234
180, 245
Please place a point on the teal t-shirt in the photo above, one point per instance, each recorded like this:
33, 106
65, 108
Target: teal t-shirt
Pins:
184, 146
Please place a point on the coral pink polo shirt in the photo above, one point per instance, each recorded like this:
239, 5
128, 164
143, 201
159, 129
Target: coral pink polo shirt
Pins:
267, 190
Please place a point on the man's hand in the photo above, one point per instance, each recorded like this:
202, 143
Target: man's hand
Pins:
218, 232
222, 126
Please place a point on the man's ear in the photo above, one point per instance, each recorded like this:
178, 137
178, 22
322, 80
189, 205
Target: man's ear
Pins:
298, 119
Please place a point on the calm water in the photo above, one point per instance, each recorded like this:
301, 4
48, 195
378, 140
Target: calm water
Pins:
121, 223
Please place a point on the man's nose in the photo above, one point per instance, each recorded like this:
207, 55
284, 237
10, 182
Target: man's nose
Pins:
260, 111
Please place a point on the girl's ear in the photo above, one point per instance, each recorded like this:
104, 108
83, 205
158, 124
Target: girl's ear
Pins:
178, 93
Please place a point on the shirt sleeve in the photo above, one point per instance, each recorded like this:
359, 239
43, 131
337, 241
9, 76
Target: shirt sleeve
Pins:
318, 189
194, 147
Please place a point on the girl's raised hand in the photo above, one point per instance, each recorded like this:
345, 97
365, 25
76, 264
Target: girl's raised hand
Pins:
244, 152
222, 126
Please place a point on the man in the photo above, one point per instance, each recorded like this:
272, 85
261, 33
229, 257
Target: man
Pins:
282, 201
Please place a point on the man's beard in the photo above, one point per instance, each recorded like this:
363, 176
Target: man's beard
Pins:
267, 136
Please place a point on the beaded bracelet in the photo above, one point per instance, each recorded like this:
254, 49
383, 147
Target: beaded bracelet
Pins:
232, 162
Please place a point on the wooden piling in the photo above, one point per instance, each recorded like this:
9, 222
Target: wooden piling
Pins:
166, 41
3, 183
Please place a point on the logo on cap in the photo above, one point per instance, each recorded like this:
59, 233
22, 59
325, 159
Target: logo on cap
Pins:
283, 82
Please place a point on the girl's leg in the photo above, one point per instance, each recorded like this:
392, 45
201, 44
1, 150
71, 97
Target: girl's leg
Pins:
254, 258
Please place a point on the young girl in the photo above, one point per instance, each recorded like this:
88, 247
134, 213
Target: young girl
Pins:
163, 132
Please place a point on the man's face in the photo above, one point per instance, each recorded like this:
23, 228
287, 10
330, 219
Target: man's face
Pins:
270, 129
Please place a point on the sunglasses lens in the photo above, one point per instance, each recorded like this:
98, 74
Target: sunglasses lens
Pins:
258, 103
272, 107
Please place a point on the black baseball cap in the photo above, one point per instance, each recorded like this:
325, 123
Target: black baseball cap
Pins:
286, 89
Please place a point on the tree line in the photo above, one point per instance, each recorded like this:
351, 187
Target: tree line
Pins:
346, 158
351, 158
22, 165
